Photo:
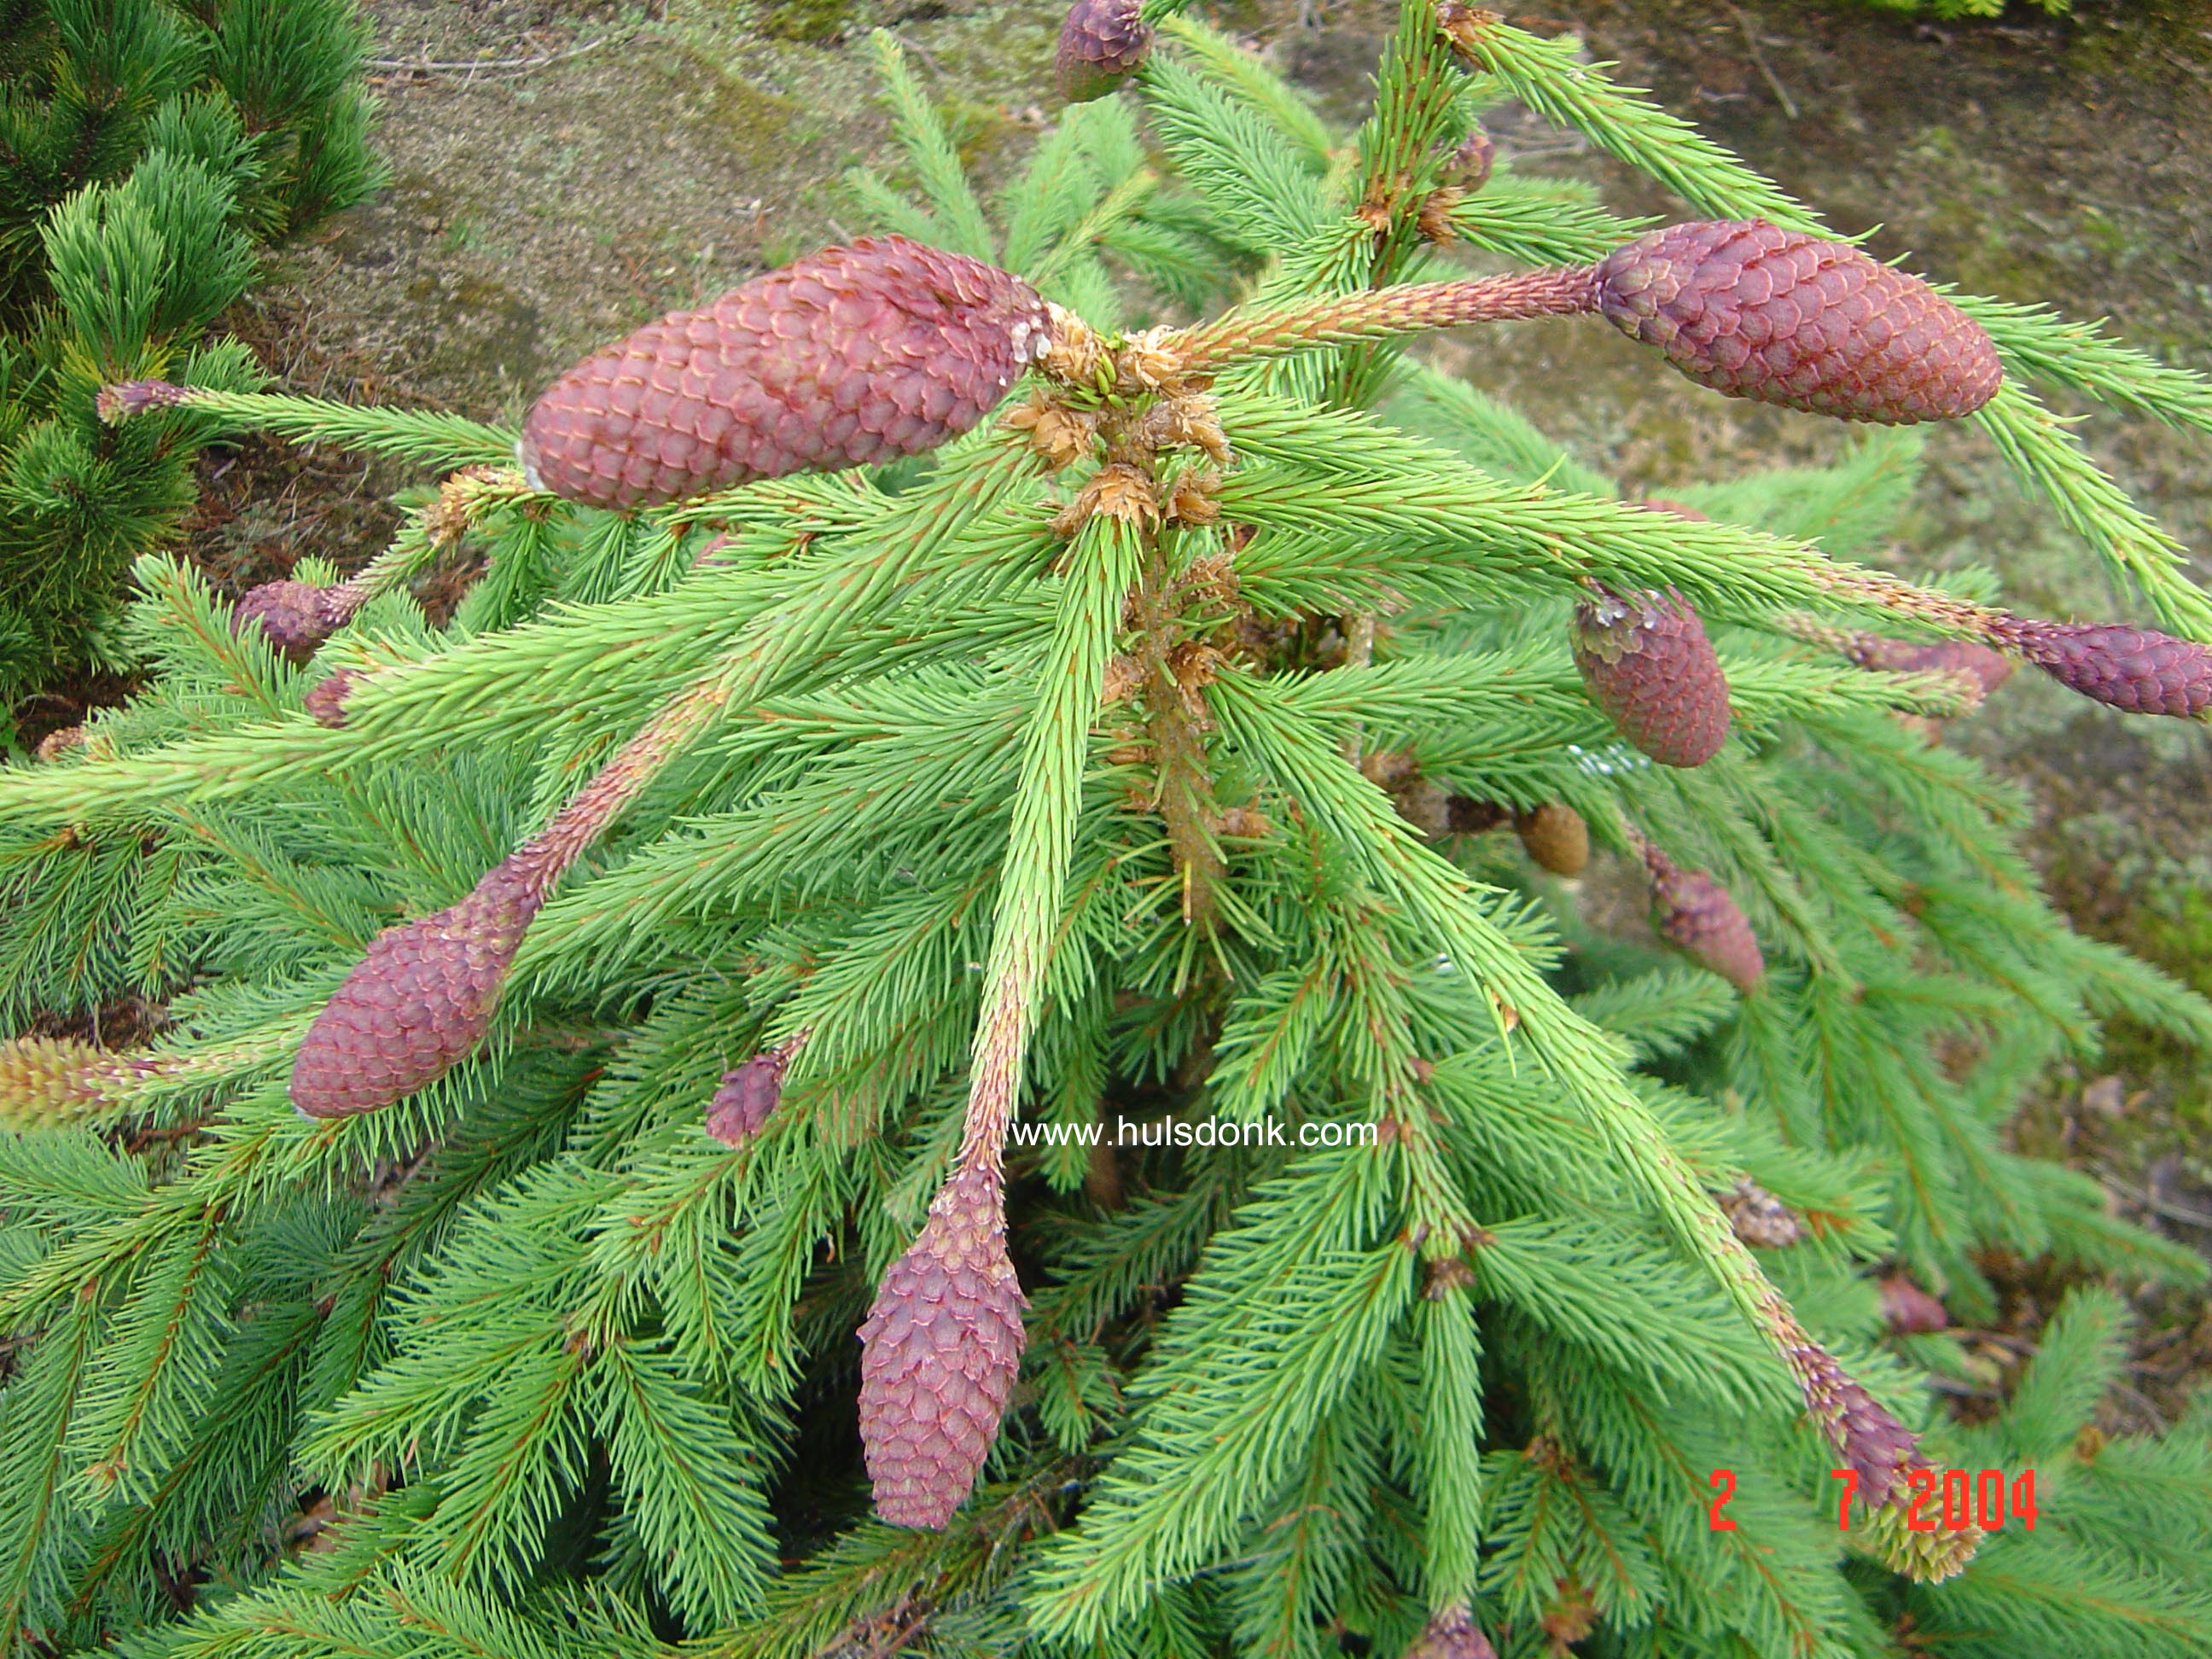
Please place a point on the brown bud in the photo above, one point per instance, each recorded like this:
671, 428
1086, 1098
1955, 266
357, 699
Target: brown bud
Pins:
749, 1094
295, 617
1911, 1310
1452, 1634
1102, 43
850, 356
2137, 669
1556, 837
1695, 914
1759, 1218
59, 742
326, 699
939, 1352
1755, 311
1647, 663
419, 1001
1467, 168
115, 404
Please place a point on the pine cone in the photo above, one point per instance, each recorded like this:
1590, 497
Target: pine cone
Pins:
1452, 1634
1556, 837
749, 1094
418, 1003
939, 1352
1989, 669
2137, 669
1100, 43
48, 1081
326, 699
1754, 311
1760, 1219
295, 617
1648, 664
1467, 168
847, 357
1911, 1310
1695, 914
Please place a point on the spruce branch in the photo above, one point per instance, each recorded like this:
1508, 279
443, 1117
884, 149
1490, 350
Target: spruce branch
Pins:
434, 439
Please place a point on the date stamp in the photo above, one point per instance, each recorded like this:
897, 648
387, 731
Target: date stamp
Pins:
1949, 1499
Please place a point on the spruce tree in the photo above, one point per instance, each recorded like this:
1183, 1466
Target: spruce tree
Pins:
863, 840
146, 148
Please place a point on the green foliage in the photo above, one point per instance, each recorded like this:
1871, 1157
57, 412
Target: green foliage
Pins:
147, 148
531, 1364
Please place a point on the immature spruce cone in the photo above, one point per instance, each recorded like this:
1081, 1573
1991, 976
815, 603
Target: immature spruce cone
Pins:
1452, 1634
1925, 1557
295, 617
1467, 168
1100, 43
46, 1081
939, 1351
850, 355
1870, 1441
1760, 1219
748, 1093
1990, 669
1695, 914
1755, 311
1556, 837
1911, 1310
326, 699
2137, 669
1647, 663
419, 1002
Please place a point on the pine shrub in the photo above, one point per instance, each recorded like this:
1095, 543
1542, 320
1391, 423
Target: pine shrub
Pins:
721, 939
146, 148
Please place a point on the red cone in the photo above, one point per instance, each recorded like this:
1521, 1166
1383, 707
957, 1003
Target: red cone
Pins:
1648, 664
850, 356
939, 1352
1755, 311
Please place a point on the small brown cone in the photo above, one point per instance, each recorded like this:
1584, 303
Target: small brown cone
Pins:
1102, 43
1647, 663
939, 1352
1911, 1310
326, 699
1760, 1219
295, 617
850, 357
2136, 669
1695, 914
419, 1002
1556, 837
748, 1095
1467, 168
1452, 1634
1755, 311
